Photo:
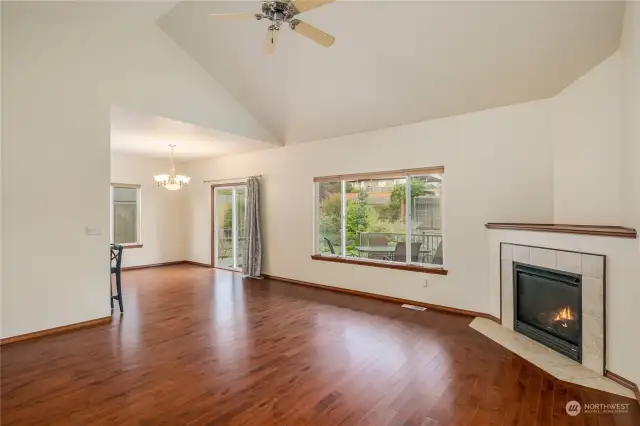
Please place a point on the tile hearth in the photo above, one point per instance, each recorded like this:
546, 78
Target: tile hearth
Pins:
547, 359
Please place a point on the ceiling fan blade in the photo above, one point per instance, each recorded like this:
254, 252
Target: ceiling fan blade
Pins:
312, 33
304, 5
271, 40
235, 16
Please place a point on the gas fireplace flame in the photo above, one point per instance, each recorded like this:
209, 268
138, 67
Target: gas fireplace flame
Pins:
564, 315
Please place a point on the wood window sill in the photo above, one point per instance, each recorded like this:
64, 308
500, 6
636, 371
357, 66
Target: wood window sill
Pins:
387, 265
131, 246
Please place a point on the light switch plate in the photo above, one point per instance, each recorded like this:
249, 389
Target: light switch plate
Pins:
90, 230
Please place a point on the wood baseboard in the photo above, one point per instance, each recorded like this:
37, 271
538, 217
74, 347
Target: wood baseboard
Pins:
624, 382
55, 330
490, 317
191, 262
152, 265
386, 298
158, 265
621, 380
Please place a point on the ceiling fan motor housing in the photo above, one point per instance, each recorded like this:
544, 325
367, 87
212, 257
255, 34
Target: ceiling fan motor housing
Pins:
278, 11
284, 12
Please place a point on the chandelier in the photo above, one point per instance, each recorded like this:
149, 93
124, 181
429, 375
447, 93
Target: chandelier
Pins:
172, 182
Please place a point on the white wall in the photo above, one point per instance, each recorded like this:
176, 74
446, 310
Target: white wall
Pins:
64, 65
585, 124
163, 212
630, 152
542, 161
630, 170
1, 136
595, 129
498, 167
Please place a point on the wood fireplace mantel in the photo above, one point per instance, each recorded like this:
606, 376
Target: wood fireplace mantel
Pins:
597, 230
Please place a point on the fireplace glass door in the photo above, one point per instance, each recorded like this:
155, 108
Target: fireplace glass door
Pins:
548, 307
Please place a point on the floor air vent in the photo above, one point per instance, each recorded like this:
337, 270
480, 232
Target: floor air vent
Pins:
414, 307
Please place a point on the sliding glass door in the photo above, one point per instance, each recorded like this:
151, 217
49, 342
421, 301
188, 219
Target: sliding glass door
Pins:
228, 226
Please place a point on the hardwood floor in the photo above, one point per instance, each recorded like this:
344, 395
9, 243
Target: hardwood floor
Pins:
202, 347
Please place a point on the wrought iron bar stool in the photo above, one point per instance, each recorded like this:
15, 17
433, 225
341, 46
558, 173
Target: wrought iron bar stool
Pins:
116, 256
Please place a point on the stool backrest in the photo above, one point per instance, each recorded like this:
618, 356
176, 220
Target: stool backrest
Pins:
116, 255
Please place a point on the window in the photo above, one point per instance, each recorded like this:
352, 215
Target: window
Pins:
125, 214
390, 218
329, 214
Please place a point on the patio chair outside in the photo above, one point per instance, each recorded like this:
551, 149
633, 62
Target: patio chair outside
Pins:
400, 254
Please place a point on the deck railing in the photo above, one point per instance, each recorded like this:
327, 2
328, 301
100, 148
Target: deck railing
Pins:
225, 244
430, 240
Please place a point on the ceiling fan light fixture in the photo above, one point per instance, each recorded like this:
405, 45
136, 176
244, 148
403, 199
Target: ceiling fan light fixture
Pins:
272, 38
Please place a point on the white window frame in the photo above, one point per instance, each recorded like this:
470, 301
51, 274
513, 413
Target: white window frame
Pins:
138, 211
408, 229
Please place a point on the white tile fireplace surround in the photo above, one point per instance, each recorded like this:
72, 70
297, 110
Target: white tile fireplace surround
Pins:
608, 267
590, 266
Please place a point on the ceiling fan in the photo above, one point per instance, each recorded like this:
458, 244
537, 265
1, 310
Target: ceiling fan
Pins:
281, 12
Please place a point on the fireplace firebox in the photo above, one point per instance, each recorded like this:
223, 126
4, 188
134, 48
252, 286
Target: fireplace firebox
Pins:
548, 308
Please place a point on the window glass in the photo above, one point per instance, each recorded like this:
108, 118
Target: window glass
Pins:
224, 223
329, 231
425, 226
397, 219
241, 193
375, 219
125, 215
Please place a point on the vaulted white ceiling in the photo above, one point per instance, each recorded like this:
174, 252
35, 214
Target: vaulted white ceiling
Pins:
396, 62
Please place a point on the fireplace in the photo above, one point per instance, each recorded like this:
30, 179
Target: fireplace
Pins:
548, 307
